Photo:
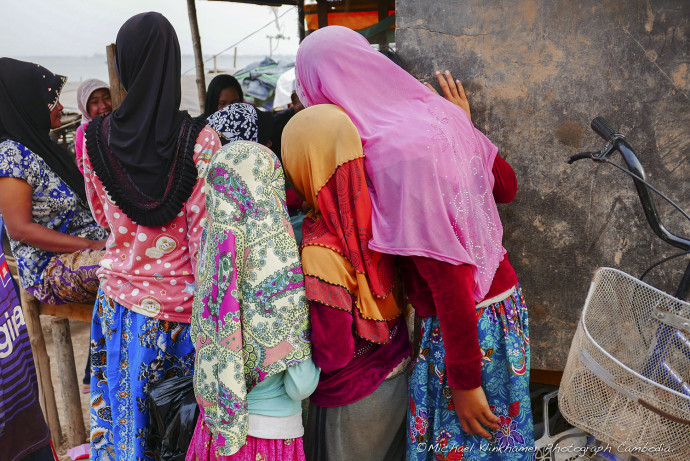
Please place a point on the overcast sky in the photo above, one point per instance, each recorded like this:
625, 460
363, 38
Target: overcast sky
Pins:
85, 27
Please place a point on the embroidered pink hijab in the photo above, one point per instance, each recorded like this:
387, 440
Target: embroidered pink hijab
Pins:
428, 168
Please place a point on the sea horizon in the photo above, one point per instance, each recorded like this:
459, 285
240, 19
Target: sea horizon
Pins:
80, 68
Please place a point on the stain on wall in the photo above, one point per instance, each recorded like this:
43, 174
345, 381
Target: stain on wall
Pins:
536, 73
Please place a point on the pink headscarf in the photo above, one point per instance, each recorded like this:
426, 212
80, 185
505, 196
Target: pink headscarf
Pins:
428, 168
84, 93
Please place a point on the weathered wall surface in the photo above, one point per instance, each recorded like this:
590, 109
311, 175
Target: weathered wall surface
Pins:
536, 73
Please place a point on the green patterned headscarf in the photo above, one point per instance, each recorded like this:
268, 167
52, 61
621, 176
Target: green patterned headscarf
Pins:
250, 317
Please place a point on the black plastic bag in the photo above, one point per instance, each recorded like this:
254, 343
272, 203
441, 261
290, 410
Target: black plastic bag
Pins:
173, 414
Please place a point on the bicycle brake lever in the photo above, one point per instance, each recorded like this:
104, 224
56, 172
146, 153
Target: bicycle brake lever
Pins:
580, 156
603, 153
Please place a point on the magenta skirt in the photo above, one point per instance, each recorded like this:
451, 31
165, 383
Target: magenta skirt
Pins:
202, 448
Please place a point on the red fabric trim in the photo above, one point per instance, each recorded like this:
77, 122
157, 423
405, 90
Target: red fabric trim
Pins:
345, 228
337, 297
328, 294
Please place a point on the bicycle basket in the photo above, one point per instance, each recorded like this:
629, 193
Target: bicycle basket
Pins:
627, 379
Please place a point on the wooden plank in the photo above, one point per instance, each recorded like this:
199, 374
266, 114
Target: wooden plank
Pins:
117, 91
64, 353
322, 6
42, 362
546, 376
82, 312
300, 20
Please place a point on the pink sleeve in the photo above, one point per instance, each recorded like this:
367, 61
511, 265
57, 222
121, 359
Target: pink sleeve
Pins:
91, 194
79, 146
207, 143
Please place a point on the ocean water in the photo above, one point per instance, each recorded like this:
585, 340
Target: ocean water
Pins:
80, 68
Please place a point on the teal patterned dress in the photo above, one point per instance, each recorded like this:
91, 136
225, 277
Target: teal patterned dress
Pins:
434, 431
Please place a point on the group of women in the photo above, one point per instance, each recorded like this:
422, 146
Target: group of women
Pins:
201, 274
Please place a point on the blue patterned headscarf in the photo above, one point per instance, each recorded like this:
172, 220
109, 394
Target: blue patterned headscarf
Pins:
236, 122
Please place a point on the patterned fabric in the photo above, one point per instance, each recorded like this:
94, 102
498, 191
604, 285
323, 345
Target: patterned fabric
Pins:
434, 431
151, 269
250, 316
129, 353
236, 122
347, 232
255, 449
322, 153
54, 205
69, 278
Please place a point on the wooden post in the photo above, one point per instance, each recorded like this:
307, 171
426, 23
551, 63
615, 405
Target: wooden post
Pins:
42, 362
382, 38
64, 353
300, 20
198, 57
234, 60
322, 6
117, 91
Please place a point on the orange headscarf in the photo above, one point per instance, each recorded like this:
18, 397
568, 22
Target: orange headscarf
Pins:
322, 156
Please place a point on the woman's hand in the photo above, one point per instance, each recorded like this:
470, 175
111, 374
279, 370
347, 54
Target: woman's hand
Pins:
473, 412
96, 244
452, 90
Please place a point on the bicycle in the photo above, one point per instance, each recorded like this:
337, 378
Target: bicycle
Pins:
627, 378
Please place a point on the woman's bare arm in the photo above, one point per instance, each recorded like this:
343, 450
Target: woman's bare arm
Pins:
15, 207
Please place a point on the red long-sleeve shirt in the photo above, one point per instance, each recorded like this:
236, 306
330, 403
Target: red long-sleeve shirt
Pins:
446, 290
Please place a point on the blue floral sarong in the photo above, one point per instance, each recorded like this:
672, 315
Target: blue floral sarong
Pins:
434, 431
129, 353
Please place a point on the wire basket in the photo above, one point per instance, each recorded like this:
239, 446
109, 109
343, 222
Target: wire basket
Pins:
627, 379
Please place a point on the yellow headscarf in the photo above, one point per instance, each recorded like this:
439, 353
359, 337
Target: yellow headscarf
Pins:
322, 156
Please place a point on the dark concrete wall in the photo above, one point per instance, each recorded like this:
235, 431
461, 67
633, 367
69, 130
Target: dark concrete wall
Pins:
536, 73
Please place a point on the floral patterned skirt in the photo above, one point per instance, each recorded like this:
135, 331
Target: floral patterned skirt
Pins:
129, 353
203, 448
434, 431
69, 278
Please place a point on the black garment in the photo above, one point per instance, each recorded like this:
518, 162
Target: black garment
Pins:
218, 84
143, 151
28, 92
280, 119
266, 125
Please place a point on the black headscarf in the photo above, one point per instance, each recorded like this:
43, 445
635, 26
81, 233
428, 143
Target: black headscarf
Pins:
218, 84
28, 92
143, 151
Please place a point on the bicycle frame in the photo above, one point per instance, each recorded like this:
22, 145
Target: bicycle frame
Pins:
673, 338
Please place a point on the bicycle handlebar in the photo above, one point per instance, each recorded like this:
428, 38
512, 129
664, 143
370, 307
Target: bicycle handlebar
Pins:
619, 143
603, 129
